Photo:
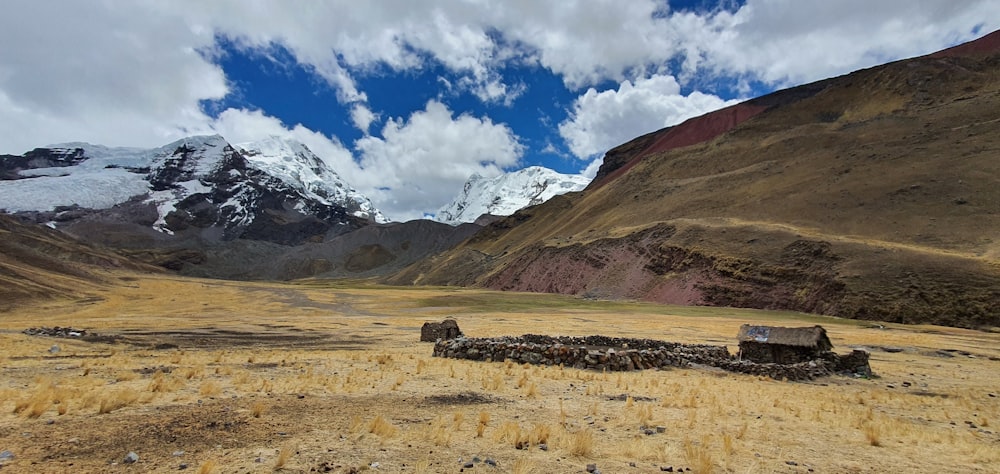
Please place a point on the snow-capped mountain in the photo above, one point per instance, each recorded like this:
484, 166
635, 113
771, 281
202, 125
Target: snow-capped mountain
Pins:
505, 194
275, 189
289, 161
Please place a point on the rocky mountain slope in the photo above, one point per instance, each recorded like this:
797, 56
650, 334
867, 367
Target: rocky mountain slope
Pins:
503, 195
373, 250
274, 190
873, 195
40, 263
264, 210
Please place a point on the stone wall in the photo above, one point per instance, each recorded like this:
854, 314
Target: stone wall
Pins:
433, 332
621, 354
778, 353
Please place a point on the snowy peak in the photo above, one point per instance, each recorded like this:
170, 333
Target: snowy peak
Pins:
189, 159
275, 190
295, 165
505, 194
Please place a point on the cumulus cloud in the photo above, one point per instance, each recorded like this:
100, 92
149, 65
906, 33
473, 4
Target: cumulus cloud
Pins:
785, 42
118, 83
136, 67
592, 168
421, 163
587, 43
416, 165
122, 72
601, 120
362, 117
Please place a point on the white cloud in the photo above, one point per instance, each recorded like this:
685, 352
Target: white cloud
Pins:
592, 168
70, 71
418, 164
362, 117
121, 72
602, 120
421, 163
785, 42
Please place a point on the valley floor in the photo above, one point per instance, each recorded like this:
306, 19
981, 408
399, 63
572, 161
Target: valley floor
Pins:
223, 377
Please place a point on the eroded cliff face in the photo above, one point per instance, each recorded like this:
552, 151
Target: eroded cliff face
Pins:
647, 265
691, 132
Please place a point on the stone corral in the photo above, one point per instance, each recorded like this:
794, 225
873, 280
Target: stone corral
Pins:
621, 354
445, 330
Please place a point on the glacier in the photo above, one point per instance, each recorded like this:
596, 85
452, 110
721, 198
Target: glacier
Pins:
507, 193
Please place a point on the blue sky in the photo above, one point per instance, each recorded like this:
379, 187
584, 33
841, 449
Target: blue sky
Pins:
407, 99
291, 93
274, 82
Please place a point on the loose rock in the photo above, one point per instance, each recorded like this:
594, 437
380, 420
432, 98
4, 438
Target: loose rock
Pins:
131, 458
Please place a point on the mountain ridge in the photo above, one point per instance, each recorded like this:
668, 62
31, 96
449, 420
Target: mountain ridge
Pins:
504, 194
198, 184
199, 206
871, 195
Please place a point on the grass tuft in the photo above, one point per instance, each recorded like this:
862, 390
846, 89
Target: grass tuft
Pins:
209, 388
698, 456
117, 400
258, 408
207, 467
532, 391
484, 419
284, 454
382, 427
523, 466
581, 443
873, 434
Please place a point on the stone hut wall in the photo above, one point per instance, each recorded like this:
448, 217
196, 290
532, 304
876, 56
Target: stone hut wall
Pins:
854, 363
763, 352
445, 330
620, 354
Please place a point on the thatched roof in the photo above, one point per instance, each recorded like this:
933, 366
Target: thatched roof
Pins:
814, 337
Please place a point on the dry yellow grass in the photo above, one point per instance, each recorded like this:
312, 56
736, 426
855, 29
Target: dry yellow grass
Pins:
207, 467
338, 371
258, 409
284, 455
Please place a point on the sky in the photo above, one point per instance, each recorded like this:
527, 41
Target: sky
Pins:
406, 99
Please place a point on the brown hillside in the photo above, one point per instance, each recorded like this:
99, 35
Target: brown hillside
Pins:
39, 263
873, 195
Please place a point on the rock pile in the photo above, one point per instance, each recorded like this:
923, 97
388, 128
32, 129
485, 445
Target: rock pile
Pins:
56, 332
623, 354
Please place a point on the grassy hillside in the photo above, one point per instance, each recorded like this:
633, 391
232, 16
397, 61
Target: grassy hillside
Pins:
873, 195
39, 263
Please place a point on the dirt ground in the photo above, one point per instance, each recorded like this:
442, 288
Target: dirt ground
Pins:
214, 376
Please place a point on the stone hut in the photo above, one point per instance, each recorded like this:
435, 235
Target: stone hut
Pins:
447, 329
769, 344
